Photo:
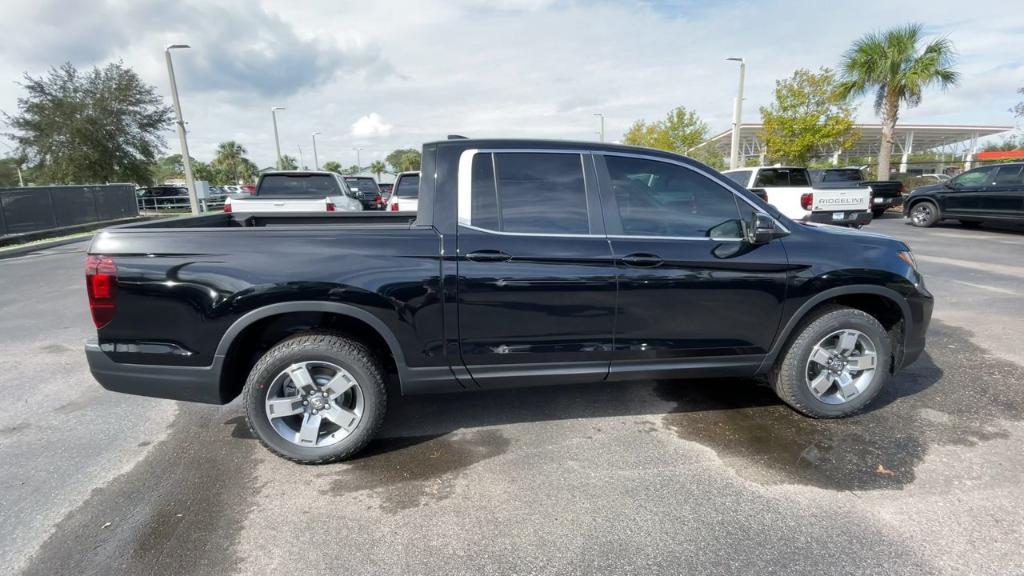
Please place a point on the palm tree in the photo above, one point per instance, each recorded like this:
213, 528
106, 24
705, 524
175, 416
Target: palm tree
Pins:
332, 166
229, 159
377, 167
892, 64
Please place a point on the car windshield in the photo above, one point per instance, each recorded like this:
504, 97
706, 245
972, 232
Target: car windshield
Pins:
362, 185
315, 185
408, 187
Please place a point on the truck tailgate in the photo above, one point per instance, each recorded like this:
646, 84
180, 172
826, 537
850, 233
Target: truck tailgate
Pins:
250, 205
833, 199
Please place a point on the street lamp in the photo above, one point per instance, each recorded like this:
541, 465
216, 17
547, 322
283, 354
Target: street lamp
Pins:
316, 160
602, 125
737, 113
302, 163
277, 141
185, 160
359, 164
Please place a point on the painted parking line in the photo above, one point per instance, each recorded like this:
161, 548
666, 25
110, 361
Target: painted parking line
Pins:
1015, 271
988, 288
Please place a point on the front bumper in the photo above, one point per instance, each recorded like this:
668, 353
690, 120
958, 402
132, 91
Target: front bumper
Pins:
886, 203
848, 218
188, 383
921, 305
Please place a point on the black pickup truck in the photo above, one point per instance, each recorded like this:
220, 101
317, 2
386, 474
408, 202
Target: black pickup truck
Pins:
527, 263
885, 193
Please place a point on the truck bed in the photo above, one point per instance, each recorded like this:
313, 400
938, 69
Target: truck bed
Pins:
376, 218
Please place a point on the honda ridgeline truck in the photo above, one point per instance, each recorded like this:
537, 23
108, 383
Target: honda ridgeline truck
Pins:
527, 263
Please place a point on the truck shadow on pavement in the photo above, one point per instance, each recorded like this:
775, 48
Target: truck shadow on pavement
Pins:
950, 396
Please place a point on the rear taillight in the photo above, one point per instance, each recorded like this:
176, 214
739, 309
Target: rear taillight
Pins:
101, 284
227, 206
394, 207
330, 206
807, 200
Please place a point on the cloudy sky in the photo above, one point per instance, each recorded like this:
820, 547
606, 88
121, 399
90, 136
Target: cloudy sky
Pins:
381, 75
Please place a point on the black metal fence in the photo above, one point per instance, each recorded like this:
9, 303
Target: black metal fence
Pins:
37, 208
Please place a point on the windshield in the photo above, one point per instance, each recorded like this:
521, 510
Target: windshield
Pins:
408, 187
312, 185
364, 185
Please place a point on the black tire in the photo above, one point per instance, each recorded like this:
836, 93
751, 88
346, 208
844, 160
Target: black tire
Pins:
789, 379
348, 354
970, 223
924, 214
878, 212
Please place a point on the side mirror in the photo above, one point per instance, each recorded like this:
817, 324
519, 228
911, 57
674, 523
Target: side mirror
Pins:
761, 229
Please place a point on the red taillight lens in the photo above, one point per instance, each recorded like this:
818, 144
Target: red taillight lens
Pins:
227, 206
101, 284
394, 207
807, 200
330, 206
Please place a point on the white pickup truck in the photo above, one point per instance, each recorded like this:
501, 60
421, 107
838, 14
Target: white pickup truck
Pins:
296, 191
789, 190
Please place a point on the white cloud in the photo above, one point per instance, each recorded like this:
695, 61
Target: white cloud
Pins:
371, 126
518, 68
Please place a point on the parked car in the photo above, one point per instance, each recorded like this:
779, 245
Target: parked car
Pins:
531, 263
407, 192
993, 193
885, 194
385, 190
156, 197
789, 189
935, 177
366, 191
296, 191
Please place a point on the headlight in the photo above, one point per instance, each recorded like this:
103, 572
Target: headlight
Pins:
908, 257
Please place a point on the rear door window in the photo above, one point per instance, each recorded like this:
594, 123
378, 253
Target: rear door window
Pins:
298, 185
408, 187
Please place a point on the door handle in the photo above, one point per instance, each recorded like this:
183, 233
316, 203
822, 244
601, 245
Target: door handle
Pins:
488, 256
642, 260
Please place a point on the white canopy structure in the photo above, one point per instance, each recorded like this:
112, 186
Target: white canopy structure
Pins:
960, 141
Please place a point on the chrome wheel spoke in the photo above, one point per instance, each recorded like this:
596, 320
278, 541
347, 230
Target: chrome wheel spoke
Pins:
847, 386
821, 383
338, 385
310, 430
281, 407
345, 419
865, 361
847, 342
301, 377
820, 356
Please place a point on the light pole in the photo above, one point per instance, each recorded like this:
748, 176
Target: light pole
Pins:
277, 141
316, 160
359, 164
301, 161
602, 125
737, 114
185, 160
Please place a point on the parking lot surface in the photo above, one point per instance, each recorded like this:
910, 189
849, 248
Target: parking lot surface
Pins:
640, 478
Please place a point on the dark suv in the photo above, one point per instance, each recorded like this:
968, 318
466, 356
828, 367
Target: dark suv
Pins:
992, 193
367, 191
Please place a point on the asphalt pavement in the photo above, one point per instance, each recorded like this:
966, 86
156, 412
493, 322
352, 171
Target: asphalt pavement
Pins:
638, 478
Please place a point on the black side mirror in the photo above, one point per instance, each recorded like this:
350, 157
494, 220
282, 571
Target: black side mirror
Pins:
761, 229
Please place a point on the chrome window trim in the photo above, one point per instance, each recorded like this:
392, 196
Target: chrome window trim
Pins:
464, 188
713, 177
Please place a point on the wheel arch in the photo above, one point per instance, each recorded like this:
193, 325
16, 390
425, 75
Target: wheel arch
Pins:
240, 348
888, 306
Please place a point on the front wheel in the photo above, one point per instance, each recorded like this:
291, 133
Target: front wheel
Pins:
315, 398
924, 214
835, 365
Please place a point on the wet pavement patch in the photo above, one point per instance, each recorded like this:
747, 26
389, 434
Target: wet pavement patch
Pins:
953, 395
407, 472
177, 511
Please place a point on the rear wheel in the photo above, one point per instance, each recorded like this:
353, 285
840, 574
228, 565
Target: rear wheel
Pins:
924, 214
878, 212
836, 364
315, 398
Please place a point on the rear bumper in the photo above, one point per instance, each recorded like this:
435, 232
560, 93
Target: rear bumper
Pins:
848, 219
189, 383
887, 202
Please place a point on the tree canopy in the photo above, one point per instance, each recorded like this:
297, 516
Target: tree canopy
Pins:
104, 125
332, 166
289, 163
230, 166
681, 131
404, 160
894, 66
808, 118
378, 167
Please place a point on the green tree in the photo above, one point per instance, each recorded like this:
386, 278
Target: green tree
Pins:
1018, 110
808, 118
332, 166
9, 172
378, 167
404, 160
680, 131
351, 170
898, 70
230, 165
99, 126
289, 163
